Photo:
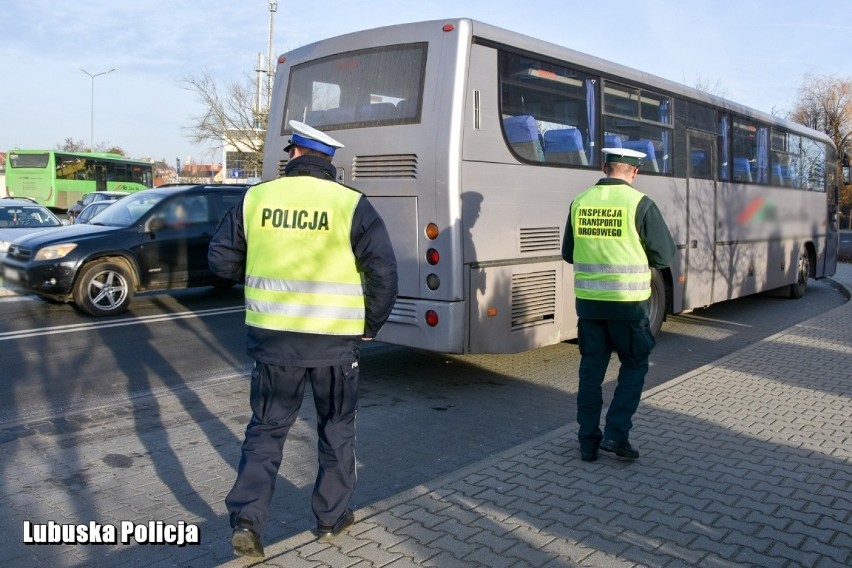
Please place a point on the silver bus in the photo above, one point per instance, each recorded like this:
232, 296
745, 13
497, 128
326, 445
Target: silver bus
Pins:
472, 141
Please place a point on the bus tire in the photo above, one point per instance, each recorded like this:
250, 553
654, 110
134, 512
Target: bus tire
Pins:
803, 272
104, 287
657, 308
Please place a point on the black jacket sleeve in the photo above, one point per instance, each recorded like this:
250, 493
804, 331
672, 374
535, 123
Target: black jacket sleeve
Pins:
656, 237
568, 240
226, 254
375, 259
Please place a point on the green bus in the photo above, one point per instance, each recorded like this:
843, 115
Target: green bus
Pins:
58, 179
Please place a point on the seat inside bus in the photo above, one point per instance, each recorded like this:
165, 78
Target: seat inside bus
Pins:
612, 141
647, 147
742, 169
565, 146
522, 133
378, 111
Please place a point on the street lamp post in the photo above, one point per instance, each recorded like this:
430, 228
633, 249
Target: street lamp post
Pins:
92, 127
270, 72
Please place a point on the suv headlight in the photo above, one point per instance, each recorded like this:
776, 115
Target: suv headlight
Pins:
55, 252
4, 246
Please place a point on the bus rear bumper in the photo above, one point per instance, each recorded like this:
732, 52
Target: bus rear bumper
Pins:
407, 326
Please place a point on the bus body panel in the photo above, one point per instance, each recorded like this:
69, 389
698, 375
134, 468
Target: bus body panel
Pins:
427, 190
400, 215
517, 308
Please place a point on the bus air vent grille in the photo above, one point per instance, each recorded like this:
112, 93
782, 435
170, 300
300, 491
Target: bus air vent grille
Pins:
533, 299
403, 312
539, 239
385, 166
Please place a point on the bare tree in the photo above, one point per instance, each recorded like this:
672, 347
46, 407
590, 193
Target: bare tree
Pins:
703, 84
71, 145
825, 104
232, 118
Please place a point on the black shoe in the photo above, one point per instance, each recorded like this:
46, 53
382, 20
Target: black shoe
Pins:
589, 447
345, 521
245, 541
588, 456
621, 449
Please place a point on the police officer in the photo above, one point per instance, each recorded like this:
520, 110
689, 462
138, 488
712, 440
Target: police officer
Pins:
614, 235
320, 275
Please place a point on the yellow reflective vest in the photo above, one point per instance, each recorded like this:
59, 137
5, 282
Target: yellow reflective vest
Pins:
610, 263
301, 274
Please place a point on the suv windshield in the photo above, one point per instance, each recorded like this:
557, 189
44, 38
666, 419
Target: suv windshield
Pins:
128, 210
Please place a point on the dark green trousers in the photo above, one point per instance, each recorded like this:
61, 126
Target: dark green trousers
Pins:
633, 342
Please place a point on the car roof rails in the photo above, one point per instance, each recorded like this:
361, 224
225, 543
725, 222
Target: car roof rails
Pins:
30, 199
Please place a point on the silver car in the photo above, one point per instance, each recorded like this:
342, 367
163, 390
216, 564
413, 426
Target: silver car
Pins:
19, 217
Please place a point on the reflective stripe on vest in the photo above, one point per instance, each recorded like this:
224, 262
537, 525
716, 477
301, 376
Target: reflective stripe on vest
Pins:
610, 263
300, 270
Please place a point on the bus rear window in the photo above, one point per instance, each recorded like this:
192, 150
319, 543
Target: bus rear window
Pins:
28, 160
370, 87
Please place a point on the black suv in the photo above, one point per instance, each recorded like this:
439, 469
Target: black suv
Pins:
154, 239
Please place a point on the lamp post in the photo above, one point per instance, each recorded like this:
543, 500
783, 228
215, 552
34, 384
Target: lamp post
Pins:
270, 73
92, 127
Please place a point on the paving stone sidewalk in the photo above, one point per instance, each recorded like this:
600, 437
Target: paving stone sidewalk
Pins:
745, 462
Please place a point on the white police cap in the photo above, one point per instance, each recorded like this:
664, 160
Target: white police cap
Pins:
309, 137
623, 155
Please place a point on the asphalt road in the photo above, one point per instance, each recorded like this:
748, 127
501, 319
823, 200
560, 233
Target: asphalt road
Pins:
56, 359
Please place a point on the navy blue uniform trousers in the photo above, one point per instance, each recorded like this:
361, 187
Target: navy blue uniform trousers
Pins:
633, 342
276, 396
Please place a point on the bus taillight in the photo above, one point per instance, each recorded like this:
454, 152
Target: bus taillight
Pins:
432, 257
433, 282
432, 231
448, 27
431, 318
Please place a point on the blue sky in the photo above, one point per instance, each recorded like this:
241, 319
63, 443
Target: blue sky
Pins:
756, 51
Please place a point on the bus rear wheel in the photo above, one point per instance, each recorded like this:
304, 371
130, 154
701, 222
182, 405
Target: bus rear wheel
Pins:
657, 310
803, 272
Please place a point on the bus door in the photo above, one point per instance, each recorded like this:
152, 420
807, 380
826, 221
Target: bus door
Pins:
701, 220
100, 177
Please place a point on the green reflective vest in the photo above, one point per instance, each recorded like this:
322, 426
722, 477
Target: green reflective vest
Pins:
300, 269
610, 263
